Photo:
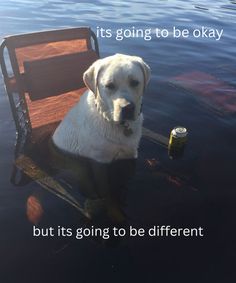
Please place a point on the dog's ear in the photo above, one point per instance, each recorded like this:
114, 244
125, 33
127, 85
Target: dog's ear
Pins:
90, 76
145, 69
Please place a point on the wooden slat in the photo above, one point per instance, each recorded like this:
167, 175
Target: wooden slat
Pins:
155, 137
51, 109
22, 40
47, 50
57, 75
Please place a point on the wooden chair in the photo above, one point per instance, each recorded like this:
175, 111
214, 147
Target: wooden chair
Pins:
43, 74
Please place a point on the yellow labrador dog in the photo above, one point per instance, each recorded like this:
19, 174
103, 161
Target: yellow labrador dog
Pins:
106, 124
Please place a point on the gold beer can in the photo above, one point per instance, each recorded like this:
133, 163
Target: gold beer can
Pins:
177, 141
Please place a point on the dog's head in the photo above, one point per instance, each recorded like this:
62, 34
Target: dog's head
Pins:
118, 83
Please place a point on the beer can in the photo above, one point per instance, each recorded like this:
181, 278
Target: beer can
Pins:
177, 141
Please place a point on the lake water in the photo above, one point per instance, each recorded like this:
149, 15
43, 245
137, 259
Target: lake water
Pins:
193, 84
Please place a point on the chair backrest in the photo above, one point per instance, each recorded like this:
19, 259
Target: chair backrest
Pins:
45, 69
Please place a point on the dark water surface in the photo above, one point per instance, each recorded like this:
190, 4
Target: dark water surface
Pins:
197, 190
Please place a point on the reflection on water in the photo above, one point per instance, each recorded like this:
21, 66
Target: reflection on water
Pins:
34, 209
193, 84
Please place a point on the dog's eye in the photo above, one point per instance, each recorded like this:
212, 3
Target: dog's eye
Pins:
110, 86
134, 83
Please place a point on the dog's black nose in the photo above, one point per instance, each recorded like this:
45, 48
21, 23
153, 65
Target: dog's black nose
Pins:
127, 112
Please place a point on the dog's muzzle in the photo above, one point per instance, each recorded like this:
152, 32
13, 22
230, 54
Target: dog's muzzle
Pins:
128, 111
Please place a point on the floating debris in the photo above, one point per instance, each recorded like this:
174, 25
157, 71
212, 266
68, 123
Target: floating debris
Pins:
176, 181
177, 142
152, 162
